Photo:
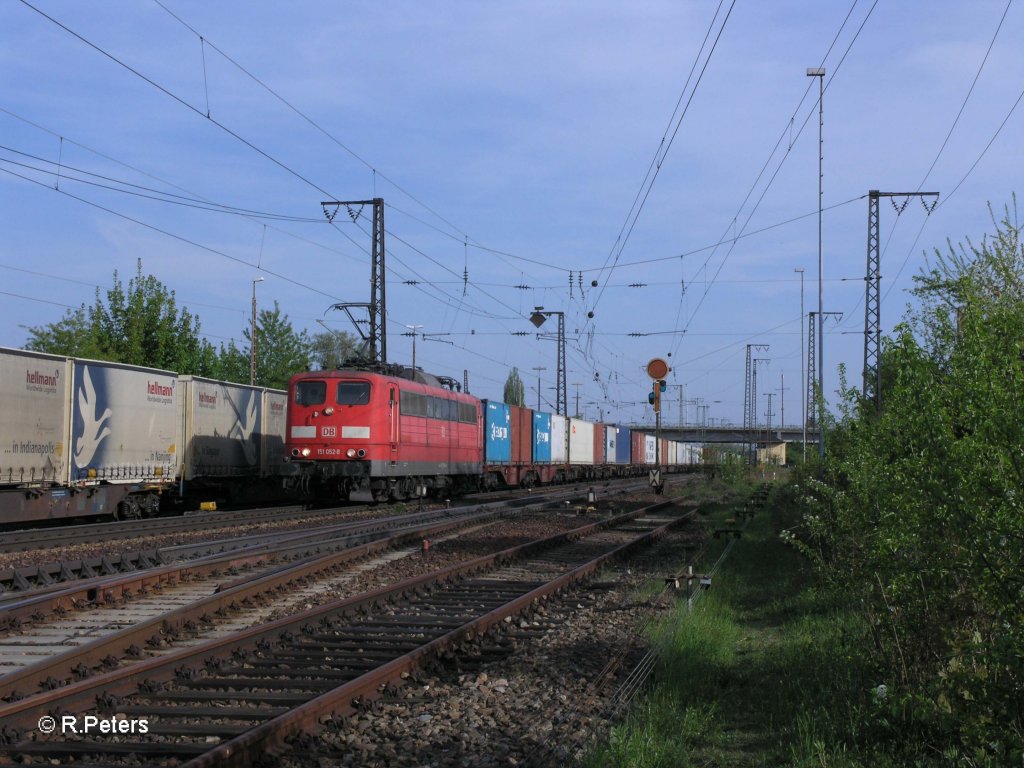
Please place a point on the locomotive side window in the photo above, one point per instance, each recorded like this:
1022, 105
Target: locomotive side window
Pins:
310, 392
353, 393
467, 413
413, 403
442, 408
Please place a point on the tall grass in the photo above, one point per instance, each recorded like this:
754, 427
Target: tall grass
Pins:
767, 670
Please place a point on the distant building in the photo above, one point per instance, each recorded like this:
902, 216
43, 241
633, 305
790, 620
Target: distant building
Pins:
773, 454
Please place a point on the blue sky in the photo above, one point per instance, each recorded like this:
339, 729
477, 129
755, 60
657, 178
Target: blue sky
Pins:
509, 142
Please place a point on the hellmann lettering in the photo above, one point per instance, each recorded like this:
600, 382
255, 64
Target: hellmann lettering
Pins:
156, 388
208, 399
41, 379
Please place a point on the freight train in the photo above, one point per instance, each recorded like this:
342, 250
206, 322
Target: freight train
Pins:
400, 434
84, 438
87, 438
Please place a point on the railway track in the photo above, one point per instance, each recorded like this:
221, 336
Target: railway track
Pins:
47, 640
50, 576
53, 576
53, 537
57, 536
228, 701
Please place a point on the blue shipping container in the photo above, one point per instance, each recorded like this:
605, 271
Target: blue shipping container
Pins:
622, 445
542, 438
497, 433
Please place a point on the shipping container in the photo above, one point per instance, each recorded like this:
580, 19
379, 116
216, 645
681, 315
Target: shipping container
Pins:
650, 454
125, 425
542, 438
222, 428
689, 454
636, 449
623, 445
497, 433
600, 444
559, 439
522, 435
581, 442
617, 448
673, 454
34, 417
274, 428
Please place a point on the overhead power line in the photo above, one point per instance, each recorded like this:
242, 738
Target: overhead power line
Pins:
660, 156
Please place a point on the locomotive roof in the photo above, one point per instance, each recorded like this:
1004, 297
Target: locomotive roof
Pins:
396, 371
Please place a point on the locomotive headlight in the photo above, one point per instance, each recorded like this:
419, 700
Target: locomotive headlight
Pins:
351, 453
328, 410
305, 451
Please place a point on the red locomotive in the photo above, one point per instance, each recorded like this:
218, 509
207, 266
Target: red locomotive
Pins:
364, 435
398, 434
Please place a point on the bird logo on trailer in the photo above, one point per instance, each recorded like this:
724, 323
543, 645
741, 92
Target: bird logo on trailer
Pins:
94, 427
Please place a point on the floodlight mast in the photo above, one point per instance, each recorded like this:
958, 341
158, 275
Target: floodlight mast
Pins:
819, 72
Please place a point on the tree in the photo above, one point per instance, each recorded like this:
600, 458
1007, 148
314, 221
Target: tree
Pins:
331, 349
280, 352
139, 326
71, 335
515, 392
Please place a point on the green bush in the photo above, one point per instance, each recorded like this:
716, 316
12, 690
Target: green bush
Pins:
917, 515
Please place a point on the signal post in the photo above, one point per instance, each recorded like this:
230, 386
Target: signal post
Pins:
657, 369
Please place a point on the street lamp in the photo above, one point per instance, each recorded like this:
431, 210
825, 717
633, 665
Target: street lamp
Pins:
803, 383
252, 346
819, 72
413, 329
538, 369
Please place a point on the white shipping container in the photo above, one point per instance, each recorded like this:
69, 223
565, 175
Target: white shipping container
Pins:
673, 453
692, 453
34, 417
221, 428
581, 442
126, 423
559, 440
649, 449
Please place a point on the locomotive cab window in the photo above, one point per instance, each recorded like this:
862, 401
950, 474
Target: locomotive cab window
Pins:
310, 392
353, 393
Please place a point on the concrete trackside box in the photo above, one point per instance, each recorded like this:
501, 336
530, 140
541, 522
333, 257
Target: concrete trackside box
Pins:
125, 425
34, 395
222, 428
